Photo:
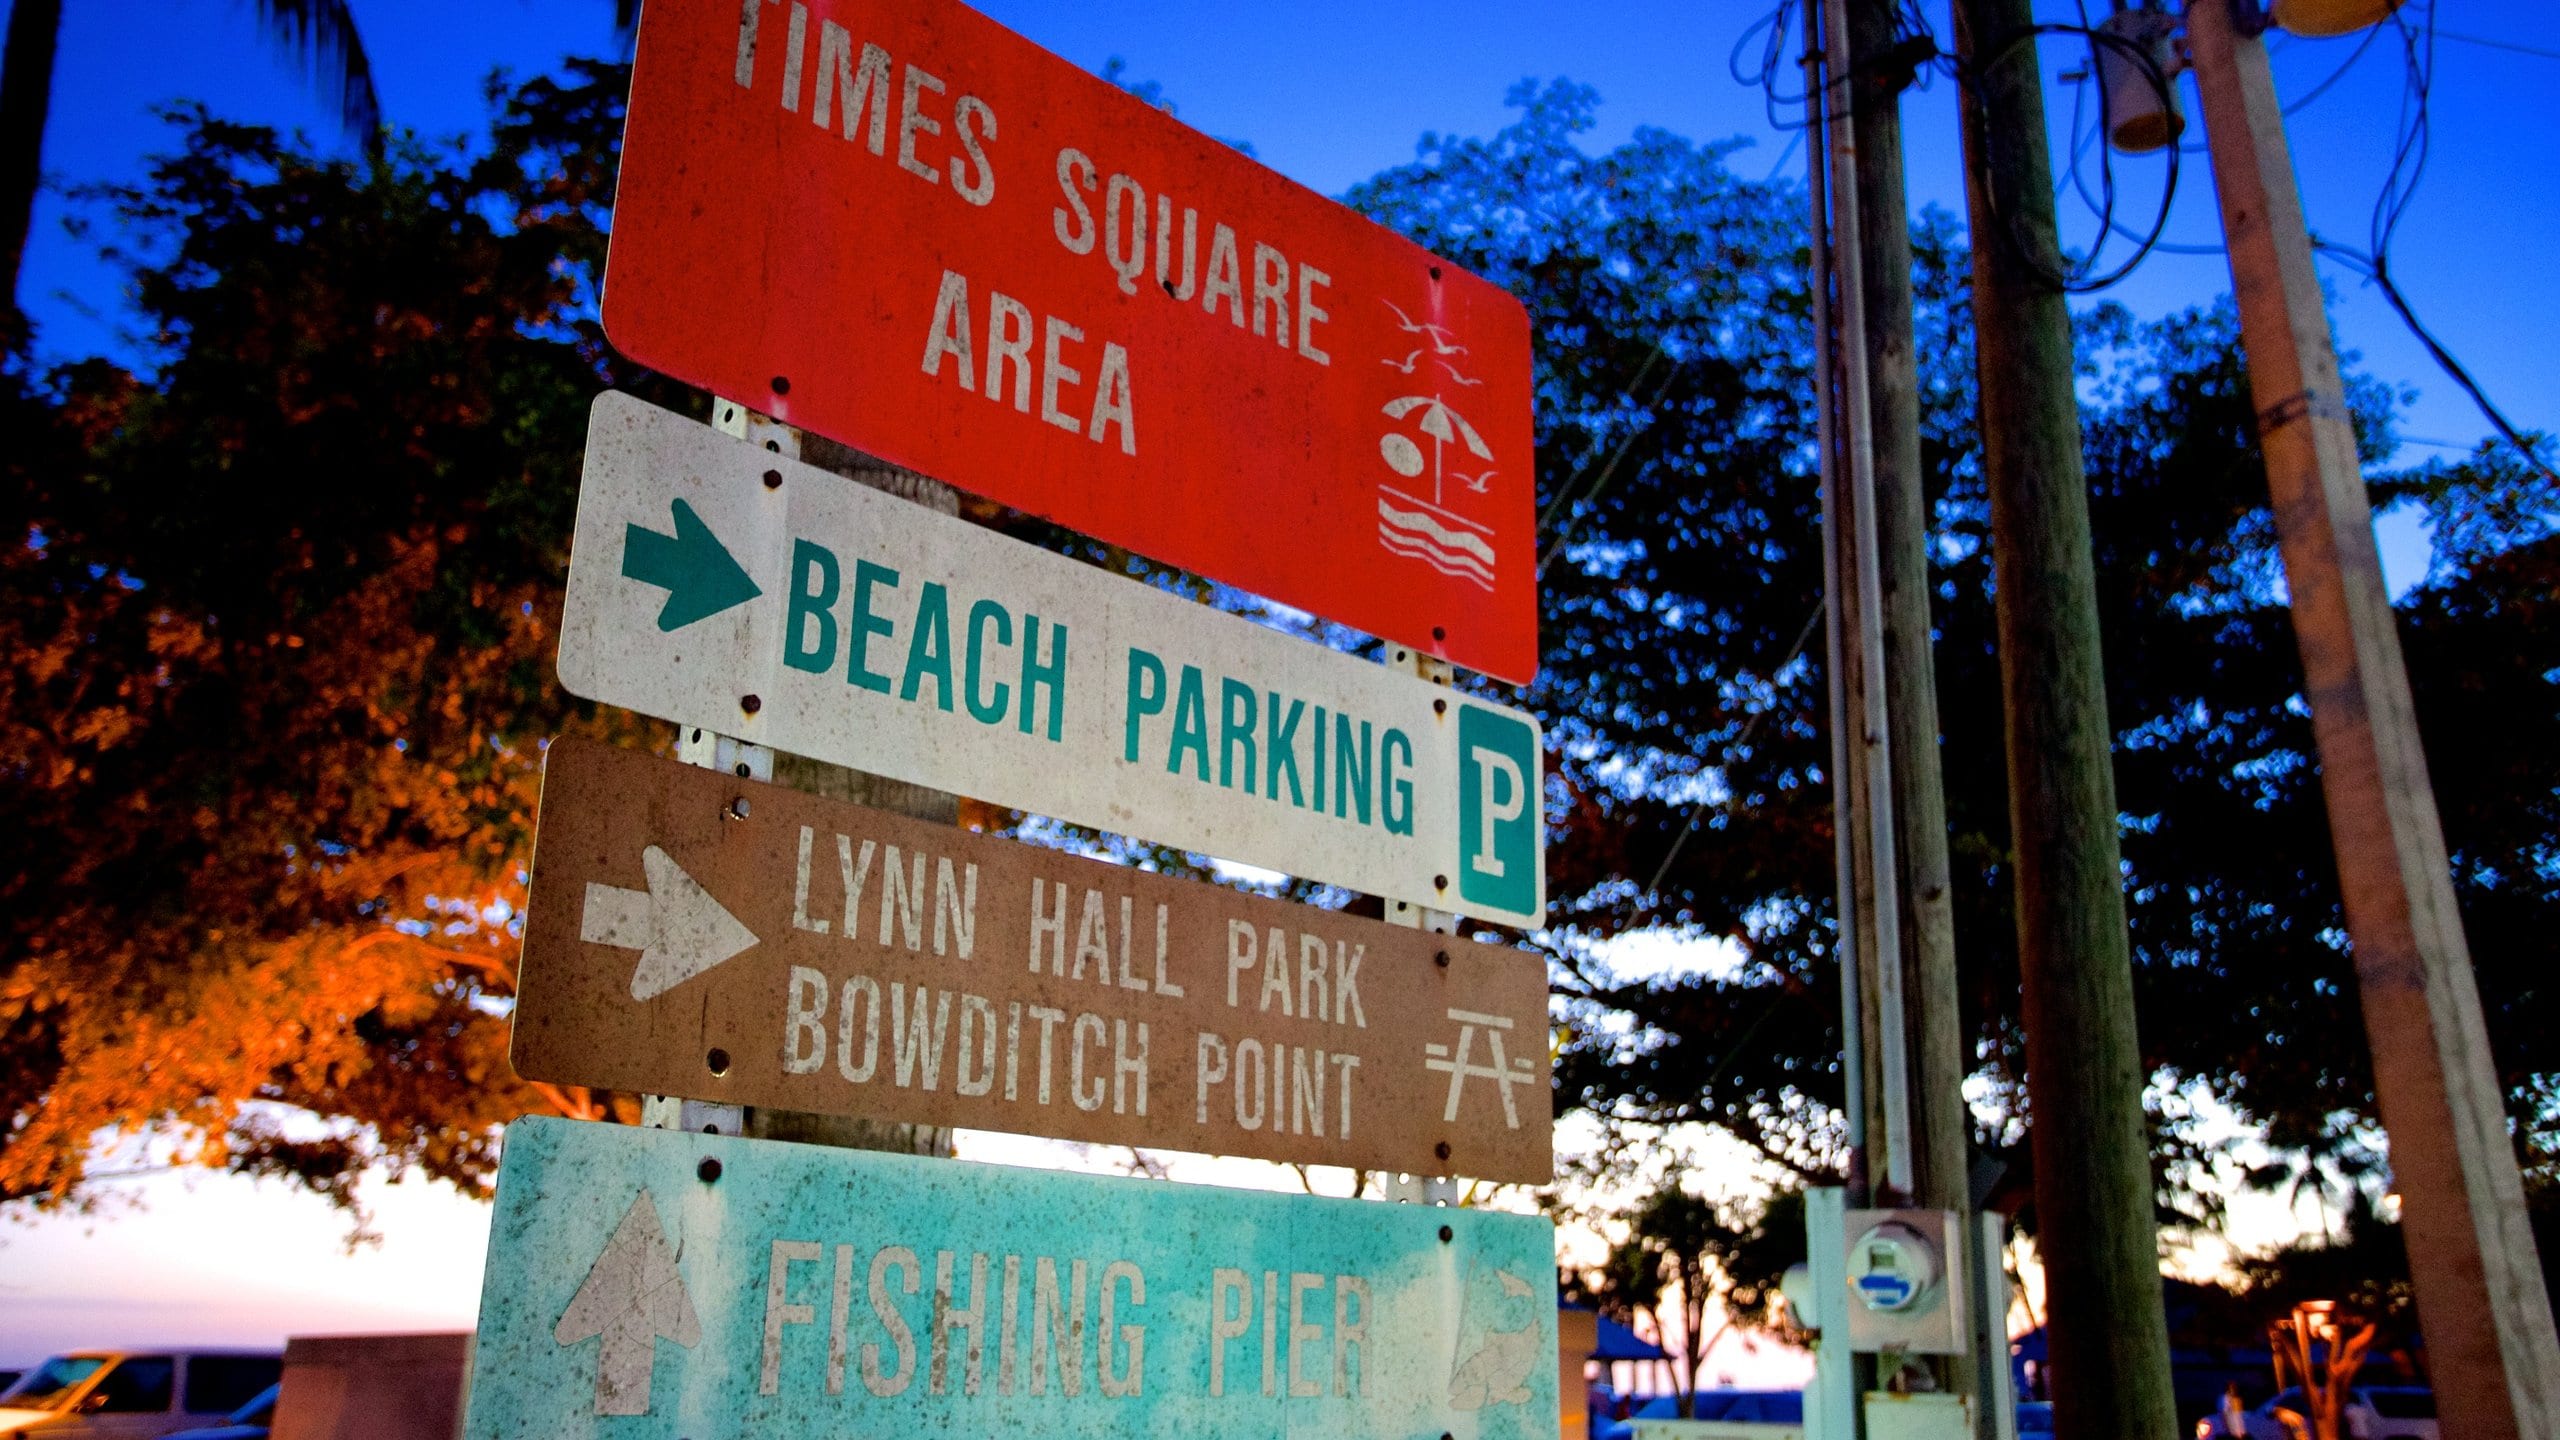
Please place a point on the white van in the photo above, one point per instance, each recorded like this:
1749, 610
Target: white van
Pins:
132, 1394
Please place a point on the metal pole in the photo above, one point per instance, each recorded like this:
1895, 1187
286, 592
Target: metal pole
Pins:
2481, 1298
1844, 797
762, 762
1428, 1189
1874, 722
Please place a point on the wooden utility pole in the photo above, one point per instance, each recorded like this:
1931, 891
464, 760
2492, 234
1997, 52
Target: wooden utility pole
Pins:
1858, 572
2481, 1300
2096, 1233
1941, 1125
1939, 1118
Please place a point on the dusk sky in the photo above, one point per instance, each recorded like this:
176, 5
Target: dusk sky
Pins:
1328, 93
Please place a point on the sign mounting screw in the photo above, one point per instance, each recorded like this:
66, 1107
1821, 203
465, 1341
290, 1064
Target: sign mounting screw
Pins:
751, 703
709, 1170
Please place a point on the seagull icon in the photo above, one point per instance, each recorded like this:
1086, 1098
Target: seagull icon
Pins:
1438, 335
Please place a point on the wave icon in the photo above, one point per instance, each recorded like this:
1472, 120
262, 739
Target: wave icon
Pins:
1413, 529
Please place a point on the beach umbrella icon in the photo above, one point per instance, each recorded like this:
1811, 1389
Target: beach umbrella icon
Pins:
1445, 427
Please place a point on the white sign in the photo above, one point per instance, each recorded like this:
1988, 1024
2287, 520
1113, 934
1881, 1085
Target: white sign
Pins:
721, 586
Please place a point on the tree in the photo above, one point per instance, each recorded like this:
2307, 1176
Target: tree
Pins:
319, 35
1679, 505
274, 662
275, 655
1681, 1249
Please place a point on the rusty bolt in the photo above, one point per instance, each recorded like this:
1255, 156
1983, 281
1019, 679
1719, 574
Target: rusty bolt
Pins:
751, 703
1441, 959
1441, 1149
1446, 1234
1439, 707
1439, 882
773, 479
709, 1170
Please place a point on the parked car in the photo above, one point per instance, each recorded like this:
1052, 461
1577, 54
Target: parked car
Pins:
2407, 1412
132, 1394
249, 1422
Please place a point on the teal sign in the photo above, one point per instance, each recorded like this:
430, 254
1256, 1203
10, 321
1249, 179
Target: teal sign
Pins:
1497, 810
735, 590
655, 1283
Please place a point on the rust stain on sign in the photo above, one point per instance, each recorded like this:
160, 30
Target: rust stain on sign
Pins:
695, 934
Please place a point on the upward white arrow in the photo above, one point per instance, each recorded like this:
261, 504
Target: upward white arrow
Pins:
634, 1296
679, 930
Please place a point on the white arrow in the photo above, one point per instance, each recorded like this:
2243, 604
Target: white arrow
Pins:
634, 1297
679, 930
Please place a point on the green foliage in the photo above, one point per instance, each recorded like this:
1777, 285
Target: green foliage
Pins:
275, 655
277, 614
1687, 717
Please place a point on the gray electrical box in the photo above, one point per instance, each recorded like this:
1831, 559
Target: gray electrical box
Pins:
1905, 1271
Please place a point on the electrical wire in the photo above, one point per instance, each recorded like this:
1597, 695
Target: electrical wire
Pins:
1770, 33
2303, 102
2380, 277
2510, 45
2077, 278
2399, 187
2074, 180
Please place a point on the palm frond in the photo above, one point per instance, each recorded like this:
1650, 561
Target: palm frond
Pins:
320, 35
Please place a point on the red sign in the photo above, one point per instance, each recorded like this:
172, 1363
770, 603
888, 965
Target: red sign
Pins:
898, 224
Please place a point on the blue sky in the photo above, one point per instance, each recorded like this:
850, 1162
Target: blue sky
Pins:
1329, 92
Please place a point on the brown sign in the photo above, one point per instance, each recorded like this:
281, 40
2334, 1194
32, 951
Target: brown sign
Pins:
699, 935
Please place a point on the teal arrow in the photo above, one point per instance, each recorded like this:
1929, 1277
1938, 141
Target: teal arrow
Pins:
698, 573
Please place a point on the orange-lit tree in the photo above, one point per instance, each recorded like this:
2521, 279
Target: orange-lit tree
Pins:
276, 625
